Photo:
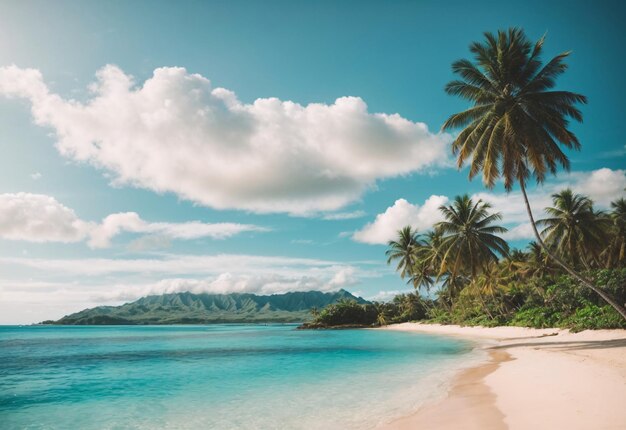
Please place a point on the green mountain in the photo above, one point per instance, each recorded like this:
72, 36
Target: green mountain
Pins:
188, 308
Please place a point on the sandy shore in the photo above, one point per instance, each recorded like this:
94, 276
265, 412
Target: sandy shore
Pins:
535, 379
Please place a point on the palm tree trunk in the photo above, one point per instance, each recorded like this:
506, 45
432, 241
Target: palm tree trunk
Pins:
587, 283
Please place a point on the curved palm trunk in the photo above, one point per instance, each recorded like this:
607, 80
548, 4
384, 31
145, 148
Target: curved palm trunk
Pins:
587, 283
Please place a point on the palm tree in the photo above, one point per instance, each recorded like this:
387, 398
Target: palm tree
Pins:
469, 238
517, 124
405, 250
422, 275
617, 249
573, 230
493, 281
451, 287
428, 261
538, 265
516, 263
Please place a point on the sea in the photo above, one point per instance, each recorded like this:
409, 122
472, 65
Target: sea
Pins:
228, 376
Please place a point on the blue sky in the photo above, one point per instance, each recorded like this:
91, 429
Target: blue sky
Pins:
166, 190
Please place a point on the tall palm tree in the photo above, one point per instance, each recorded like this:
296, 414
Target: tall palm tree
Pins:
518, 123
469, 240
617, 249
404, 250
573, 230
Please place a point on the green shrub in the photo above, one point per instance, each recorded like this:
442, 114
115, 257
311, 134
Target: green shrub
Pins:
439, 315
536, 317
347, 312
592, 317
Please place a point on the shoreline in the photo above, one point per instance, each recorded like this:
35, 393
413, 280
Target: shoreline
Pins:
534, 378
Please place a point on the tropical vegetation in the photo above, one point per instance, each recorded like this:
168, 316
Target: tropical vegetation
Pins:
518, 127
468, 275
517, 130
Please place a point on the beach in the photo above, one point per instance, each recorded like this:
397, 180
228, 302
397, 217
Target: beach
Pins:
534, 378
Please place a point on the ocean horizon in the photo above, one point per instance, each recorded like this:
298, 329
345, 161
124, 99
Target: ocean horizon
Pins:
222, 376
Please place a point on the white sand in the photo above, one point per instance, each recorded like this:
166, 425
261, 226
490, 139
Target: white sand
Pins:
537, 379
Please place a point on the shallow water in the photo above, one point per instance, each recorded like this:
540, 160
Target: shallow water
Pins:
217, 376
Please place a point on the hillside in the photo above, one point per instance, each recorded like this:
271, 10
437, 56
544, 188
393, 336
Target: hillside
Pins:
189, 308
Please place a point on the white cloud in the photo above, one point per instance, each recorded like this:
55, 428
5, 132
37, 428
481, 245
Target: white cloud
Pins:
36, 176
385, 296
174, 265
344, 215
41, 218
386, 225
602, 185
519, 232
177, 133
112, 225
225, 283
149, 242
512, 206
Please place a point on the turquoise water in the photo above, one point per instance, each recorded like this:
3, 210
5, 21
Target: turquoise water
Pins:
217, 376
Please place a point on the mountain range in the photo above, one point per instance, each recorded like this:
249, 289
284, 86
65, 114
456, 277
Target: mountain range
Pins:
204, 308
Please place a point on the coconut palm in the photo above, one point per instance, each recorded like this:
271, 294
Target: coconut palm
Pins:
469, 238
616, 251
515, 263
539, 264
518, 124
451, 287
404, 250
573, 230
422, 275
428, 261
487, 284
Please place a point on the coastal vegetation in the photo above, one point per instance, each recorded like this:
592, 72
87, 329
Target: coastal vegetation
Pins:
516, 131
469, 276
518, 127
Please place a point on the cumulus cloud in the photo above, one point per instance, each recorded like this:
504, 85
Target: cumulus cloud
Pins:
386, 225
177, 133
602, 185
41, 218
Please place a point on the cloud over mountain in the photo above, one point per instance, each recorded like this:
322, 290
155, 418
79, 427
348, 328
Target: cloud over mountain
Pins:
177, 133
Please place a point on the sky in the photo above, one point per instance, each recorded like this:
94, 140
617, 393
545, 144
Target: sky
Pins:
264, 147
